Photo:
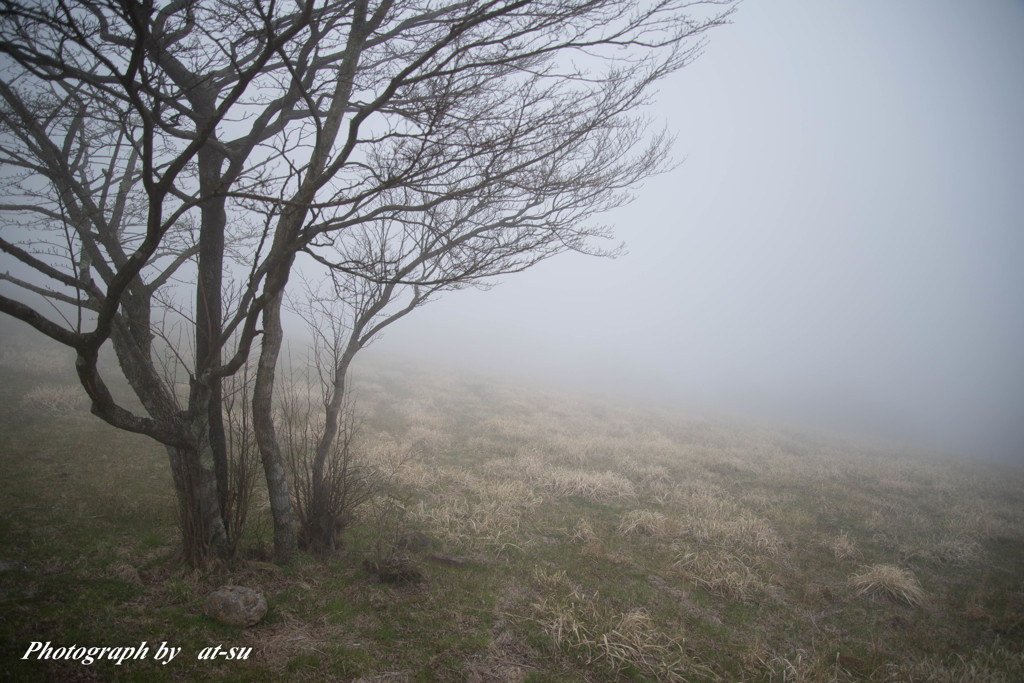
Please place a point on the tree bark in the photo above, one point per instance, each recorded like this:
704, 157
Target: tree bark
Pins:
204, 536
209, 314
285, 538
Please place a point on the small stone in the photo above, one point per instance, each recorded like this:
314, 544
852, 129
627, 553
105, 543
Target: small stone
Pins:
236, 606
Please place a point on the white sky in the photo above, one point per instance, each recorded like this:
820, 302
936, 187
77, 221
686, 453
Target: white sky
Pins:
845, 235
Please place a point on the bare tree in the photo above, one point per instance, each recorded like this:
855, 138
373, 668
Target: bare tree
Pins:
492, 156
408, 147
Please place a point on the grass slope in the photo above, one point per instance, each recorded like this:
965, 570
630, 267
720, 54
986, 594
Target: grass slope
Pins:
571, 540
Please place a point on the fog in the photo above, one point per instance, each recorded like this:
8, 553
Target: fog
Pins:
841, 245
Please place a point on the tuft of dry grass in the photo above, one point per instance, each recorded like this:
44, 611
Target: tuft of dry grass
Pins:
621, 641
888, 581
579, 624
642, 523
604, 486
583, 533
125, 572
599, 487
958, 550
553, 581
711, 518
492, 515
727, 576
844, 548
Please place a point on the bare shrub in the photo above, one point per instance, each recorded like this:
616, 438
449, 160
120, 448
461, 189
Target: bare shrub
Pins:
56, 398
243, 465
324, 510
888, 581
243, 455
385, 515
389, 557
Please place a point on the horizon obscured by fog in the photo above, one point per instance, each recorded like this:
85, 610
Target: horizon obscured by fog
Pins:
842, 245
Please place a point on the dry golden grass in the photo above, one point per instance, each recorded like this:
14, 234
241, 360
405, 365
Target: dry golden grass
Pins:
844, 548
713, 519
959, 550
124, 572
959, 542
609, 535
806, 666
643, 523
743, 512
598, 486
460, 522
620, 641
490, 512
583, 533
549, 581
648, 473
726, 575
888, 581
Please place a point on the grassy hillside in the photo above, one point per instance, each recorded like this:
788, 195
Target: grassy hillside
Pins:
567, 540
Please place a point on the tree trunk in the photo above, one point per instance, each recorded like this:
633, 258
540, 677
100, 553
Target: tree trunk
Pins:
203, 534
209, 313
322, 532
285, 539
204, 537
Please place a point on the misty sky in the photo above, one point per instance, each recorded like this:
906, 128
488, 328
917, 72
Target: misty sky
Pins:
843, 242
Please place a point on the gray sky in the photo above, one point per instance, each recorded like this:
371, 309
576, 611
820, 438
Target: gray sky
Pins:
843, 242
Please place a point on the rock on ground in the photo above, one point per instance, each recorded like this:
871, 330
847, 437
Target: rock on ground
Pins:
236, 606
